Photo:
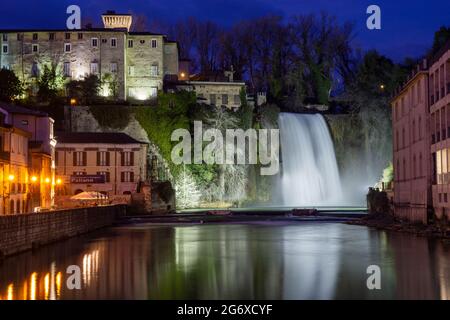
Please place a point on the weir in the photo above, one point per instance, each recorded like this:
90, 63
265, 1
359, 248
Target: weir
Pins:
309, 173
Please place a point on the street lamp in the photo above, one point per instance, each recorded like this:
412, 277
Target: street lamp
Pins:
33, 179
11, 177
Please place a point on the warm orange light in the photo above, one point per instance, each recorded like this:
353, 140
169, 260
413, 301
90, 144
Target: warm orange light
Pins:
11, 177
382, 86
73, 102
183, 74
33, 179
58, 181
47, 180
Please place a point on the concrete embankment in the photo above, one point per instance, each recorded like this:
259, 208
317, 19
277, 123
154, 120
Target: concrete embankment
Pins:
27, 231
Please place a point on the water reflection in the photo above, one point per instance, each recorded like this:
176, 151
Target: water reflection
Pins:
234, 261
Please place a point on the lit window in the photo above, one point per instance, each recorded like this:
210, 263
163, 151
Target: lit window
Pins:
154, 70
67, 47
154, 43
35, 48
94, 68
94, 42
113, 42
67, 72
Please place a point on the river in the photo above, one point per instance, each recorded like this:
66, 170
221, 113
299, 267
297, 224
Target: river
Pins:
260, 260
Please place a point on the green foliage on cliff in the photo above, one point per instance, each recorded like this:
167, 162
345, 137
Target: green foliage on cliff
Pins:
159, 122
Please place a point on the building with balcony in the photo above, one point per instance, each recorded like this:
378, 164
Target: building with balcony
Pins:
111, 163
132, 65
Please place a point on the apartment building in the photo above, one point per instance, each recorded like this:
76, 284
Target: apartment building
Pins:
421, 134
110, 163
439, 97
28, 169
411, 158
135, 62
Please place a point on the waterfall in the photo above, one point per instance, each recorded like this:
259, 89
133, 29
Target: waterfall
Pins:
309, 172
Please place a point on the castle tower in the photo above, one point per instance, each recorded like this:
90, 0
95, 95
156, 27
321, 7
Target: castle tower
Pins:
112, 20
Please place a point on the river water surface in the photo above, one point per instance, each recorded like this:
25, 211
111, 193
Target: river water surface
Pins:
307, 260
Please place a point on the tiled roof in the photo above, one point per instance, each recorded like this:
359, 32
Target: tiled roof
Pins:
96, 137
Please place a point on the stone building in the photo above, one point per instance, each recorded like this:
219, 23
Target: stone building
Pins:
130, 64
110, 163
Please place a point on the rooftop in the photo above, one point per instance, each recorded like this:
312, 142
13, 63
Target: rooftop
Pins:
21, 110
96, 137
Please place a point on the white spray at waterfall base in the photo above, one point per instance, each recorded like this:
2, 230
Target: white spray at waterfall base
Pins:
309, 172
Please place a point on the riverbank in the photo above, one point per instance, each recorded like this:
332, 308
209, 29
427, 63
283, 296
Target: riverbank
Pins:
383, 221
24, 232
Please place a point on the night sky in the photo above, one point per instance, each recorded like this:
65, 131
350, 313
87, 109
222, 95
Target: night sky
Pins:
407, 25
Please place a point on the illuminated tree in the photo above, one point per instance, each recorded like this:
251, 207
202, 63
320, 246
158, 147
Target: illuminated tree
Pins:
187, 192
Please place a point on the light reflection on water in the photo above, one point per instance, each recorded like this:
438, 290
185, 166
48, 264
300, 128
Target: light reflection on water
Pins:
233, 261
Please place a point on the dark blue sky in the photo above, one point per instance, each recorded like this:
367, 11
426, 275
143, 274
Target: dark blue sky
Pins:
407, 25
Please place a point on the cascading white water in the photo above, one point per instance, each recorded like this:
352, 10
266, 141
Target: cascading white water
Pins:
309, 172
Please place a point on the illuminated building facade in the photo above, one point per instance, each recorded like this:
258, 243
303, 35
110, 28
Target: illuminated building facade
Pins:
131, 65
110, 163
31, 146
421, 134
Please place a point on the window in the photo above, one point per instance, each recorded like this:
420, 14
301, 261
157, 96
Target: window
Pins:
106, 174
113, 42
67, 47
35, 48
5, 49
224, 99
94, 68
127, 159
154, 43
67, 72
79, 173
34, 70
51, 36
94, 42
127, 177
131, 70
212, 99
130, 43
79, 159
142, 41
35, 36
19, 37
153, 92
80, 36
67, 36
5, 37
114, 67
154, 70
237, 99
103, 158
